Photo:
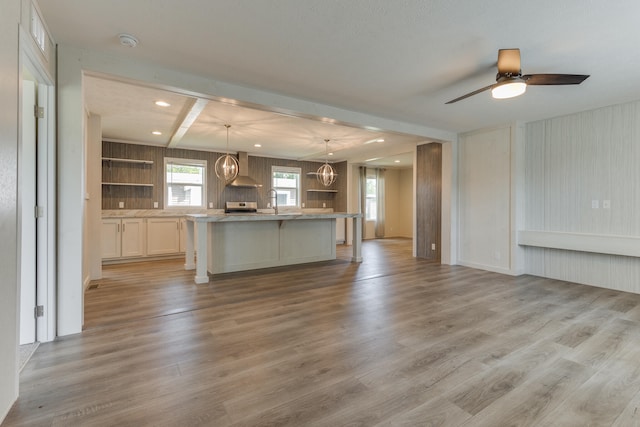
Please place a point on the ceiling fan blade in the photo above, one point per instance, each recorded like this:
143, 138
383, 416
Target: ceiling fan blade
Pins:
554, 79
509, 61
475, 92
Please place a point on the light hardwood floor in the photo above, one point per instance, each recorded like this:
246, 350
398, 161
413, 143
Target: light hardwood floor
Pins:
392, 341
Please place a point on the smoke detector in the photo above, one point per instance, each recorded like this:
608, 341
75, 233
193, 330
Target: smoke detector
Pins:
128, 40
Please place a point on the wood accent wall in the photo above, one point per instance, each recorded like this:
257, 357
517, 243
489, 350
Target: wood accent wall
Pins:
428, 200
217, 192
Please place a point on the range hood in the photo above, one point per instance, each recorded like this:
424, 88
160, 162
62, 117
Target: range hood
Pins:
243, 179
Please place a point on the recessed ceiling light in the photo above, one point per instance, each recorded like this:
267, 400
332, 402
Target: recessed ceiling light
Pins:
374, 140
396, 161
331, 154
156, 132
163, 104
257, 145
371, 160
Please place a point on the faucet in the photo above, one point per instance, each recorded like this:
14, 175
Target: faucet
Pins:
275, 199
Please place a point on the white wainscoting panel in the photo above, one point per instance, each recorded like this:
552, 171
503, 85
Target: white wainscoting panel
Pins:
582, 186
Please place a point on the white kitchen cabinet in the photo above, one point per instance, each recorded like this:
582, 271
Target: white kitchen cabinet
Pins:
163, 236
122, 238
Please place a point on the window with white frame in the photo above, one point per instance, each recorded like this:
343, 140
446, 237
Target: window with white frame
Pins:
286, 182
185, 183
371, 199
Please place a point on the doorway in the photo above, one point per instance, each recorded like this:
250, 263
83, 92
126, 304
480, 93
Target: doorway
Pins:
36, 206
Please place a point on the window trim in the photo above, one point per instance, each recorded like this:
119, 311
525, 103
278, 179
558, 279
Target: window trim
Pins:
186, 162
289, 169
374, 197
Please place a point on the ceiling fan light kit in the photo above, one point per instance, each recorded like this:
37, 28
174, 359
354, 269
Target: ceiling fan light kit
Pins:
509, 88
510, 82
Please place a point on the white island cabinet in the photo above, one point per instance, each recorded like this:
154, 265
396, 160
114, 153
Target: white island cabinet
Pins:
228, 243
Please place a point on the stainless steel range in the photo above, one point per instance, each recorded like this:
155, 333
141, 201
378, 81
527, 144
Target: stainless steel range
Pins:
240, 207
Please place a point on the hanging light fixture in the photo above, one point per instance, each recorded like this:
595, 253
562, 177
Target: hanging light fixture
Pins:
326, 174
227, 165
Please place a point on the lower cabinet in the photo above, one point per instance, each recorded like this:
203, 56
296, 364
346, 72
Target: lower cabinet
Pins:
142, 237
163, 236
123, 238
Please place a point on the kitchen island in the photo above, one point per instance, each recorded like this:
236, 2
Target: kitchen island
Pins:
239, 242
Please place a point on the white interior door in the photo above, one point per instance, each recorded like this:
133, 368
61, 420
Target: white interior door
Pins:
27, 194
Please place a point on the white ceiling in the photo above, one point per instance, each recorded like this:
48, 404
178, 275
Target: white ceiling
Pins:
400, 60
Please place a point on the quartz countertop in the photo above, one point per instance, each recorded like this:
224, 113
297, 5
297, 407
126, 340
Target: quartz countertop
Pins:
154, 213
269, 216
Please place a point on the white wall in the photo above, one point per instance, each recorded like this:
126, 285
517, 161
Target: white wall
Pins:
572, 161
9, 83
93, 201
487, 171
71, 193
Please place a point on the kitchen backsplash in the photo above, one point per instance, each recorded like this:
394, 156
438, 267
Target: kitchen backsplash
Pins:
149, 181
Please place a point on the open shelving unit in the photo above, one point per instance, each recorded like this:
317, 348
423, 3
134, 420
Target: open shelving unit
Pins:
114, 159
129, 161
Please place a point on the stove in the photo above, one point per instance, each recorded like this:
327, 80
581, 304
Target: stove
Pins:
241, 207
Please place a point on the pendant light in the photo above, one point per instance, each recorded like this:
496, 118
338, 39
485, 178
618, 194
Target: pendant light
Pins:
326, 174
226, 166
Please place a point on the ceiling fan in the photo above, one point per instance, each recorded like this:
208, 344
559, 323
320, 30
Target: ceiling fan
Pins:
510, 82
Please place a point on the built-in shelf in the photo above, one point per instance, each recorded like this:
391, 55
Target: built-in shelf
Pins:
127, 184
313, 190
114, 159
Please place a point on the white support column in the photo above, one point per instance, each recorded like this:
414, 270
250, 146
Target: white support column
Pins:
357, 239
189, 256
201, 260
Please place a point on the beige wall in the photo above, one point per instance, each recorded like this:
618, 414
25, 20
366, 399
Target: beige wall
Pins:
484, 182
9, 81
399, 203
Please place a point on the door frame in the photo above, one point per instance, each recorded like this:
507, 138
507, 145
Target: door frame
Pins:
46, 180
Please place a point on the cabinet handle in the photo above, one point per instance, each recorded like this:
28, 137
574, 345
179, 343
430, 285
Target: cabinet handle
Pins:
178, 225
118, 228
123, 228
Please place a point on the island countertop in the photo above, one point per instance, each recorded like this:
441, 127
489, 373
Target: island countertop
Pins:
287, 216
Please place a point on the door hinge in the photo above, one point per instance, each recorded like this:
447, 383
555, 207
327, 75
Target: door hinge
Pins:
38, 112
38, 311
39, 211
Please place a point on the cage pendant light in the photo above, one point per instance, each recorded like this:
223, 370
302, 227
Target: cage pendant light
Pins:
226, 166
326, 174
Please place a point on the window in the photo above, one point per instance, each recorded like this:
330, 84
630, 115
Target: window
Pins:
185, 183
372, 199
286, 182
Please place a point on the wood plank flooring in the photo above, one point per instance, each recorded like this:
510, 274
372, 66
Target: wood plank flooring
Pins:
394, 341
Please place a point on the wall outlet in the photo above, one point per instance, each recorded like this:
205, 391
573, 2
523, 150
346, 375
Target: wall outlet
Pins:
303, 205
595, 204
606, 204
324, 205
121, 205
210, 205
433, 246
268, 205
155, 205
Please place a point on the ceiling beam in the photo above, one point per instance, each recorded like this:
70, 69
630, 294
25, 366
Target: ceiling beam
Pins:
191, 114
